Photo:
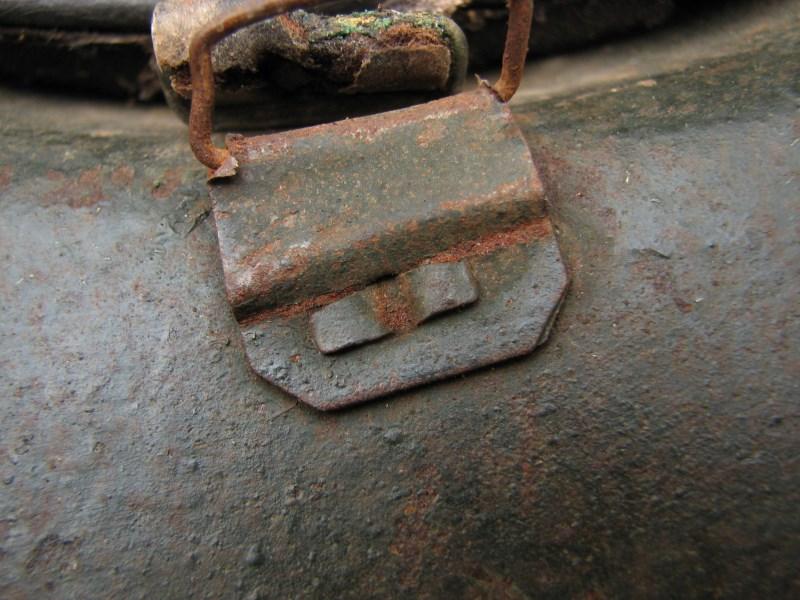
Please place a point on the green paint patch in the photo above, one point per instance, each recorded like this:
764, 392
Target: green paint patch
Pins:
374, 23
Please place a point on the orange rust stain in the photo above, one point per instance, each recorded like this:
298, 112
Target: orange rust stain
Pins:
36, 315
414, 537
92, 182
434, 131
90, 177
5, 529
164, 187
296, 31
5, 176
495, 241
299, 308
406, 35
392, 307
122, 176
87, 190
683, 306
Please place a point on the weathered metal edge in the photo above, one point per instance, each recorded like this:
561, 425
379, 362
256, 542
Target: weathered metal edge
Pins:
275, 347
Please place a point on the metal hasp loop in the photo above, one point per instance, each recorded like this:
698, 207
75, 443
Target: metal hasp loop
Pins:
220, 160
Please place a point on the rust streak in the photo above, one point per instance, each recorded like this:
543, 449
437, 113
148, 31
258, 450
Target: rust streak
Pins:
392, 306
5, 176
123, 175
164, 187
391, 311
298, 308
85, 191
495, 241
405, 35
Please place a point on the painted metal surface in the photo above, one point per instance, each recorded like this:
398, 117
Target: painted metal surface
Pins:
412, 298
648, 451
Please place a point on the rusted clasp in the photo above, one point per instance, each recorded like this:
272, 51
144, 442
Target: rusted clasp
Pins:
373, 254
220, 160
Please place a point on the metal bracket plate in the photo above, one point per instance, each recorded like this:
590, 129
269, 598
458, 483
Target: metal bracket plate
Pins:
375, 254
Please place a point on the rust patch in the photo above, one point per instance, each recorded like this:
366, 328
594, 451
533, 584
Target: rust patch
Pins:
539, 228
414, 538
92, 182
5, 528
5, 176
87, 190
392, 307
299, 308
406, 34
296, 31
165, 186
122, 176
683, 306
433, 131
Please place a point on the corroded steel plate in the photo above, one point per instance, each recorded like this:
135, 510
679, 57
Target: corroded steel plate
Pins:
374, 254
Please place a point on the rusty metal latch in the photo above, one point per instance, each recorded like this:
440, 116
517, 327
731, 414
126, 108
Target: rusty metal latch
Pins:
370, 255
